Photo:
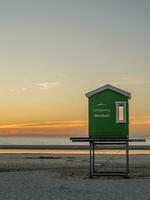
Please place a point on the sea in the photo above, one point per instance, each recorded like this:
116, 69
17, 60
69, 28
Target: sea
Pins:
35, 140
50, 140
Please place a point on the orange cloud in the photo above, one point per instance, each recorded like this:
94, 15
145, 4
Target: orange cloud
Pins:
140, 120
72, 127
140, 125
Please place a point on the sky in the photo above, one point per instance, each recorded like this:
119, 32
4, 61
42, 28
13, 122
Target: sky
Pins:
54, 51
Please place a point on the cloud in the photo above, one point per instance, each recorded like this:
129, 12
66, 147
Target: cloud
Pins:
51, 124
24, 89
145, 120
12, 90
68, 127
62, 74
141, 122
47, 85
42, 86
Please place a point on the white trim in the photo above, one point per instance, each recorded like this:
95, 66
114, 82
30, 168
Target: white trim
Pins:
121, 103
105, 87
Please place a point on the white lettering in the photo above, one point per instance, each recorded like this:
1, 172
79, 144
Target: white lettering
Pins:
101, 115
102, 110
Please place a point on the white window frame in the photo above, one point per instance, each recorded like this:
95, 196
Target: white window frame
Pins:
121, 103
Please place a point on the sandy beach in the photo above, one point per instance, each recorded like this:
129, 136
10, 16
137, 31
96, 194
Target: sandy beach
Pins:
45, 176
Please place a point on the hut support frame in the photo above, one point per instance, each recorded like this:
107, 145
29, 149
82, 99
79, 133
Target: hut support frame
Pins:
92, 160
107, 144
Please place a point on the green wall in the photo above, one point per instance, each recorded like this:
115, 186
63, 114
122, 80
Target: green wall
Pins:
102, 115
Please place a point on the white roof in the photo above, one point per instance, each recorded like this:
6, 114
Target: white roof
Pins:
110, 87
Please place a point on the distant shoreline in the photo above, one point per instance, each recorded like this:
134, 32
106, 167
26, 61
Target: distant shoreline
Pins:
74, 147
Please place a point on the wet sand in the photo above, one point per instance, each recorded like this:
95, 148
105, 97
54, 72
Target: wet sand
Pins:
45, 176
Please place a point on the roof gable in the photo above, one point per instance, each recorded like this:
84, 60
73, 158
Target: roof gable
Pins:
110, 87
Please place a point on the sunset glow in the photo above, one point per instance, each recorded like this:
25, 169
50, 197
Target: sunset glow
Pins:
52, 53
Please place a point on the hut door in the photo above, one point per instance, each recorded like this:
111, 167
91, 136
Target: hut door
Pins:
121, 112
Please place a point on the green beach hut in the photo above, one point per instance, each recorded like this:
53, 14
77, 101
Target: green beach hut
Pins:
108, 112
